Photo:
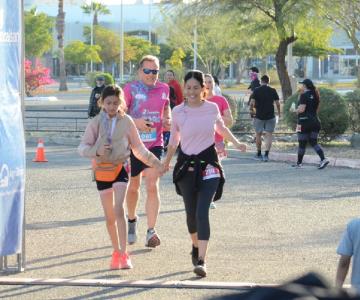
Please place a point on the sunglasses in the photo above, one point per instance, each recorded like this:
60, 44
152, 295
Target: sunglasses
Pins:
148, 71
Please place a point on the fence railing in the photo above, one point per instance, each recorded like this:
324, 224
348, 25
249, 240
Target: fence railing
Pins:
55, 120
75, 120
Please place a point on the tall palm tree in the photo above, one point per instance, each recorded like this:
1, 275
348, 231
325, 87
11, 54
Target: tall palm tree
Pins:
96, 8
60, 28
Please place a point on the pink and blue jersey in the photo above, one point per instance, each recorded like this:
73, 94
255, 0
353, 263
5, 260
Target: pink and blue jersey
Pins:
148, 103
223, 105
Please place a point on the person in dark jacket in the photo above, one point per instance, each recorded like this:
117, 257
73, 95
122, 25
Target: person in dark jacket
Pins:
94, 108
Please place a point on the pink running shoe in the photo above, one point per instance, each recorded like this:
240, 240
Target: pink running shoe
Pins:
115, 261
125, 261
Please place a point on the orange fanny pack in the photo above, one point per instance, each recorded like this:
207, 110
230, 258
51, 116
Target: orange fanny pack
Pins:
106, 171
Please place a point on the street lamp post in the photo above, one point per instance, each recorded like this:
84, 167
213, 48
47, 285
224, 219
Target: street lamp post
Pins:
121, 66
91, 33
195, 45
150, 4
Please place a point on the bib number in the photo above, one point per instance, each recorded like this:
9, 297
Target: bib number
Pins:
210, 172
148, 136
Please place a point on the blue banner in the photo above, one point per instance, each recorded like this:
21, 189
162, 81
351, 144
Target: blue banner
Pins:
12, 144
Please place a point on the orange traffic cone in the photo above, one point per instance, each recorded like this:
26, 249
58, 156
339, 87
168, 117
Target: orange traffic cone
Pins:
40, 152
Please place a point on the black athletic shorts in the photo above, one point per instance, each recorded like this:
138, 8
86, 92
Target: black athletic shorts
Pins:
137, 166
104, 185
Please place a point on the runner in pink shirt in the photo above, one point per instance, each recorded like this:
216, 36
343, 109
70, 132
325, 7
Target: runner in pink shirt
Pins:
147, 102
198, 174
225, 112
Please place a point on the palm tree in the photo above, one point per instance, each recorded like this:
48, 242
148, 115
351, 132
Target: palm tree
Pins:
60, 28
96, 8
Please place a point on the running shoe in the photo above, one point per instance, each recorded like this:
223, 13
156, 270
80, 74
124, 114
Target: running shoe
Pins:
200, 268
212, 205
132, 231
266, 158
152, 239
115, 261
323, 163
194, 256
258, 157
125, 261
297, 166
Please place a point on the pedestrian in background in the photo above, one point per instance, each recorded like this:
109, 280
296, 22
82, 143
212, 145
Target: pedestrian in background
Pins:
262, 102
107, 141
198, 174
147, 100
224, 109
94, 107
217, 89
308, 123
178, 97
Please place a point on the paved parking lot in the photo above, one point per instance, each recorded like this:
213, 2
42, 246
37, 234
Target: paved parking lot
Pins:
274, 223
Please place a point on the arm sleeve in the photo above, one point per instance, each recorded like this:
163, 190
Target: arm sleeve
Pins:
220, 127
88, 144
346, 244
276, 96
128, 95
302, 99
137, 146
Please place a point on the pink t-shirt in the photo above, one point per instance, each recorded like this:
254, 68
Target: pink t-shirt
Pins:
194, 127
148, 103
223, 105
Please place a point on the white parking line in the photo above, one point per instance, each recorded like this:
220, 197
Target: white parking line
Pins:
129, 283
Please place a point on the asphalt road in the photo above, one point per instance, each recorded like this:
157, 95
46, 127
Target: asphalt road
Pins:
274, 223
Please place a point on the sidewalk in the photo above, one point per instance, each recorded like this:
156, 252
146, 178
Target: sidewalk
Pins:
308, 159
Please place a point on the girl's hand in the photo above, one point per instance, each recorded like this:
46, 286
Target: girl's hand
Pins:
241, 146
103, 148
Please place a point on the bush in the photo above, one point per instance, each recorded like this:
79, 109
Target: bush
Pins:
233, 105
353, 101
35, 76
91, 78
334, 114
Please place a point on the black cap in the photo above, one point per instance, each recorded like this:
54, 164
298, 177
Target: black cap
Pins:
254, 69
100, 78
307, 82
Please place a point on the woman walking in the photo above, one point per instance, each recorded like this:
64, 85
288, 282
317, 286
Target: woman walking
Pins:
107, 141
197, 175
308, 124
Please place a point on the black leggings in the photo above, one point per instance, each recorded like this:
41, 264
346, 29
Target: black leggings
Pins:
197, 203
312, 138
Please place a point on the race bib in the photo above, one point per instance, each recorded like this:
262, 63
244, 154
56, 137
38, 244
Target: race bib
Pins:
210, 172
298, 128
148, 136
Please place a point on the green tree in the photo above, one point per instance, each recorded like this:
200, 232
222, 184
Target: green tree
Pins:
77, 52
38, 36
219, 43
95, 8
346, 15
109, 41
282, 16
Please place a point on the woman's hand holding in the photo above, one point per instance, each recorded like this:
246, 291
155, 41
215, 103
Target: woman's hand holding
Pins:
240, 146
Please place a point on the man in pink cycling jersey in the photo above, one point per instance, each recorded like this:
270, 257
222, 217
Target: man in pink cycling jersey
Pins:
148, 104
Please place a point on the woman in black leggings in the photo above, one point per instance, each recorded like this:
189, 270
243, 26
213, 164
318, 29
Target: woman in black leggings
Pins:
197, 175
308, 125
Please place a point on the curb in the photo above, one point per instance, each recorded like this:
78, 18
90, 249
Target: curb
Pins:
308, 159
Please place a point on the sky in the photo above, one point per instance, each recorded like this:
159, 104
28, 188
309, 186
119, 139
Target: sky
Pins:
106, 2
